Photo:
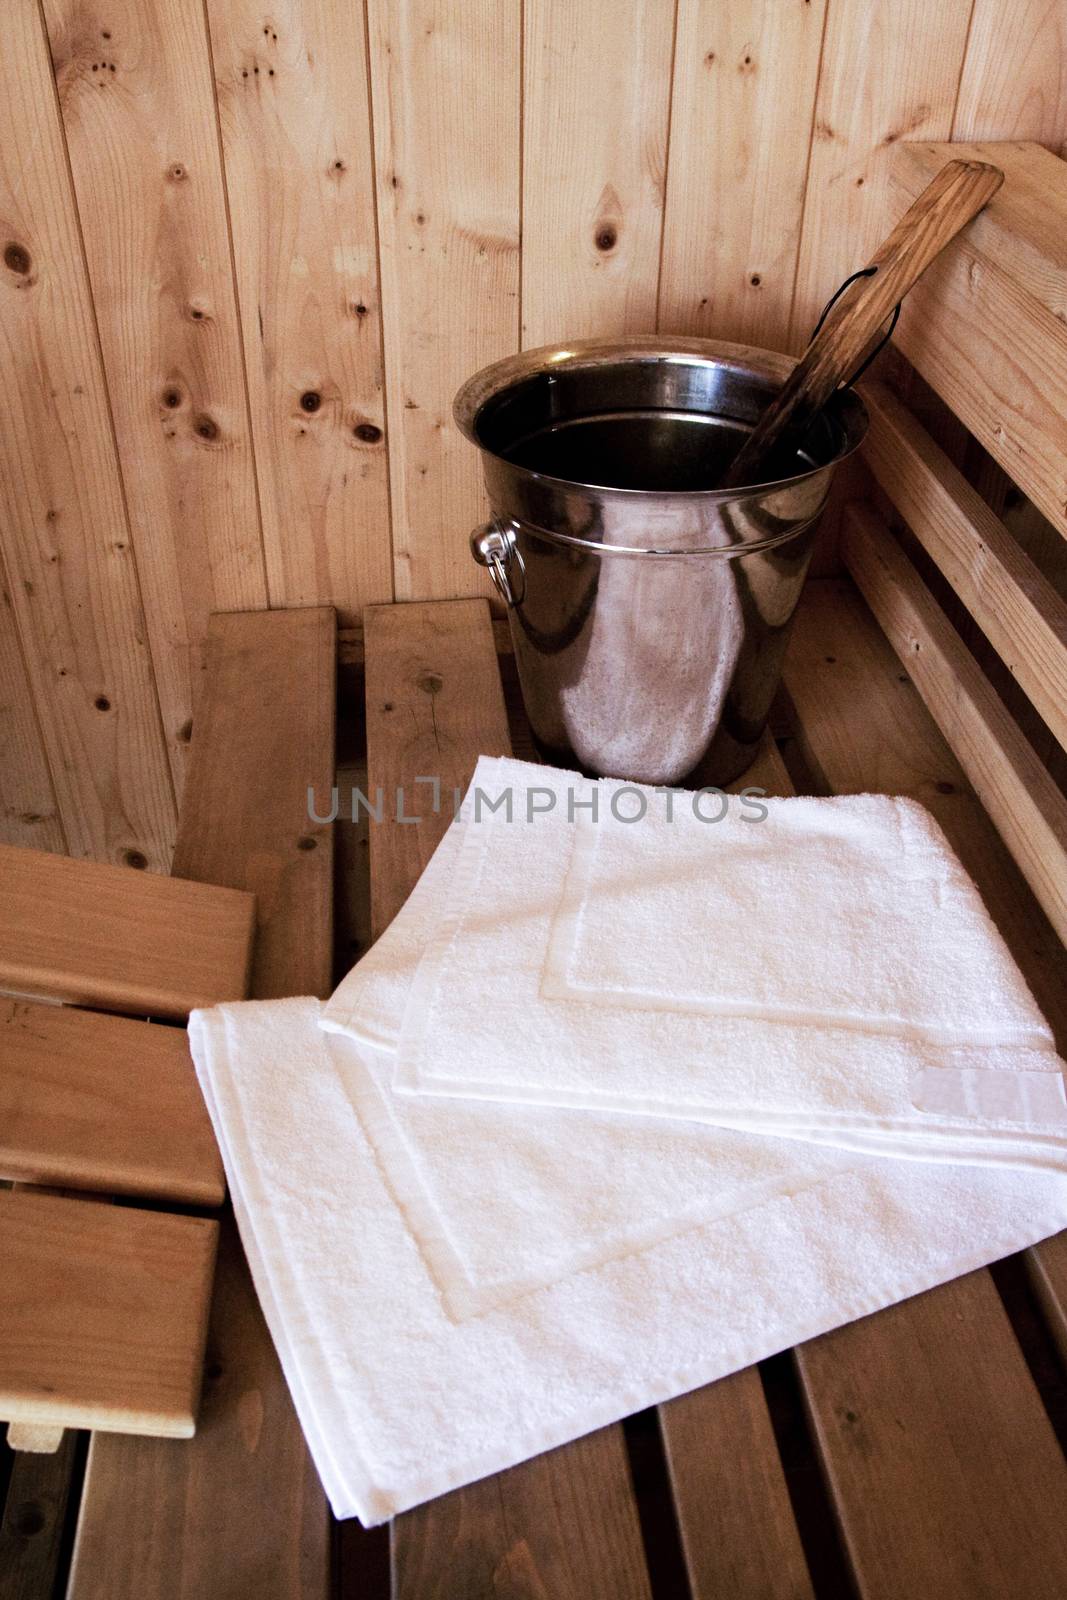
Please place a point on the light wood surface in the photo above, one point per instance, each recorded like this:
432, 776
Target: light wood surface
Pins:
434, 704
89, 1101
138, 110
446, 87
238, 1510
38, 1439
564, 1523
888, 72
295, 123
105, 1313
511, 130
906, 1403
262, 750
985, 327
1015, 788
945, 206
1016, 607
590, 259
92, 934
738, 167
70, 564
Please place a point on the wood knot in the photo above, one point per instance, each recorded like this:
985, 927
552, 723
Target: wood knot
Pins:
359, 309
17, 259
172, 398
29, 1519
185, 732
135, 859
755, 280
176, 172
310, 401
206, 427
102, 703
367, 433
430, 683
606, 237
307, 843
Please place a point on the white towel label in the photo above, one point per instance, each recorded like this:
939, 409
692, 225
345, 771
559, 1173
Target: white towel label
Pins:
994, 1096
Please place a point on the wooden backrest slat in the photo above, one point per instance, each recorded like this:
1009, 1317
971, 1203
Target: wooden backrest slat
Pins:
1016, 607
1015, 788
945, 1471
434, 704
105, 1314
239, 1509
100, 935
91, 1101
986, 325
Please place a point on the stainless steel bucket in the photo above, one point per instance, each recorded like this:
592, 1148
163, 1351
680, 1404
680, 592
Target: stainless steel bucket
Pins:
649, 612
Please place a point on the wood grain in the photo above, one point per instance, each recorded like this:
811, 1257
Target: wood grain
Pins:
924, 1504
28, 810
596, 97
33, 1522
1015, 788
433, 706
564, 1523
262, 750
985, 327
238, 1510
738, 167
97, 935
730, 1495
944, 208
1014, 81
71, 569
136, 97
89, 1101
1016, 607
294, 108
446, 91
890, 70
105, 1312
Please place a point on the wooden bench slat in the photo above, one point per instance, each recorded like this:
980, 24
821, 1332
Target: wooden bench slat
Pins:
1016, 607
105, 1312
564, 1523
91, 1101
100, 935
1013, 785
946, 1474
239, 1509
738, 1532
34, 1518
985, 325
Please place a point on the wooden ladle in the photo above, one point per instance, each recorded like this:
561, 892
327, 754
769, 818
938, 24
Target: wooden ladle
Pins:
946, 205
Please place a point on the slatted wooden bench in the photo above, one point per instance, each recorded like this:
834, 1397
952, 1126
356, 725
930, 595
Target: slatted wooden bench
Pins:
919, 1451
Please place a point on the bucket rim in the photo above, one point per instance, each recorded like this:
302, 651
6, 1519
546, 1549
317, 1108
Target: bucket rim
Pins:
849, 411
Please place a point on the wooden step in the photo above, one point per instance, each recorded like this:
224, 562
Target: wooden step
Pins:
104, 1314
92, 1101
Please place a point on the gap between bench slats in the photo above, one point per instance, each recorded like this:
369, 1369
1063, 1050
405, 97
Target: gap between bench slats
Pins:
565, 1523
237, 1511
945, 1471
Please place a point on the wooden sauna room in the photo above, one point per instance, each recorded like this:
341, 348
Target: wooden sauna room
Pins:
533, 805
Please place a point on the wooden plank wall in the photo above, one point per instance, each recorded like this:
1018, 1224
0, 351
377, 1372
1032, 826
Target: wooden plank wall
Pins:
248, 253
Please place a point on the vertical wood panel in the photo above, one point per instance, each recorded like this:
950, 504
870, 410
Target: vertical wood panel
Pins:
138, 108
596, 98
28, 814
293, 102
1014, 83
446, 89
890, 70
744, 92
73, 579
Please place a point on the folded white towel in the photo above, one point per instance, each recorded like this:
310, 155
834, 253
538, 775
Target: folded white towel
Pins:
827, 973
401, 1402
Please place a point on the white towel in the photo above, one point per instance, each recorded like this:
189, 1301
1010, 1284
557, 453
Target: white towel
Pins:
400, 1402
828, 973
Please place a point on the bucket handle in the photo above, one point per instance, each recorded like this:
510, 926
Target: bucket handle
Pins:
864, 272
493, 545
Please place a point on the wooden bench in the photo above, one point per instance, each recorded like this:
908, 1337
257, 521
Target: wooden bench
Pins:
916, 1452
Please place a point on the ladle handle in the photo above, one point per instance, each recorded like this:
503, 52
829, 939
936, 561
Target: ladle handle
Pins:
932, 221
